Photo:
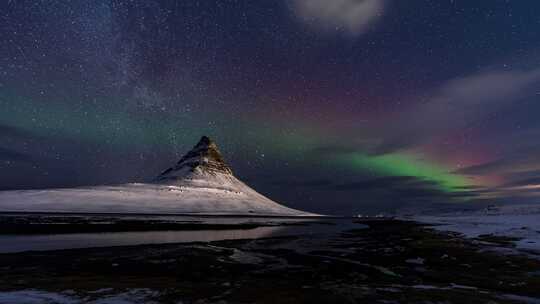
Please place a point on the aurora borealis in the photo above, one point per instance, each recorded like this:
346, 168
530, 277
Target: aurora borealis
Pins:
329, 106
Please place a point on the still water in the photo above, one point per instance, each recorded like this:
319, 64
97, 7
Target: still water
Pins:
19, 243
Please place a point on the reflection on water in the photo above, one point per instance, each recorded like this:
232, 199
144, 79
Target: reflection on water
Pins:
18, 243
83, 240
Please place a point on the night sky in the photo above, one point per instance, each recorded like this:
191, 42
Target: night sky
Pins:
342, 106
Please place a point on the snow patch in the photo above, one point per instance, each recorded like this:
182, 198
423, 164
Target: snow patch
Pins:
515, 221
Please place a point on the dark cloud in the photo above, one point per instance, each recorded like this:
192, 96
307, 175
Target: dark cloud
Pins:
10, 155
334, 149
469, 188
525, 182
390, 182
404, 188
392, 146
318, 183
485, 168
7, 131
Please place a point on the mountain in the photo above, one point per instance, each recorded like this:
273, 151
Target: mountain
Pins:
201, 182
203, 158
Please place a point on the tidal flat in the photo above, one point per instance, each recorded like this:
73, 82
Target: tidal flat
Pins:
369, 261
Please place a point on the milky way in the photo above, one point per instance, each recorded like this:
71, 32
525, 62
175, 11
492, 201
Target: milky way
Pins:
329, 106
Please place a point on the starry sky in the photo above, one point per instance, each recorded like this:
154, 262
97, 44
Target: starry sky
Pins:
343, 106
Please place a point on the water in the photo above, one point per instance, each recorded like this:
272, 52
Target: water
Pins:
19, 243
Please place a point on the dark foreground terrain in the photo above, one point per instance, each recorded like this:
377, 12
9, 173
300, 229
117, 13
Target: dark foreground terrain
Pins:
389, 262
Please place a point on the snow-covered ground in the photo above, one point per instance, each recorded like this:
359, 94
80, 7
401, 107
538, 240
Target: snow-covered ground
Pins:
516, 221
216, 194
143, 198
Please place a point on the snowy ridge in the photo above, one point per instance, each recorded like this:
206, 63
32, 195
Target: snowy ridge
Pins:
200, 183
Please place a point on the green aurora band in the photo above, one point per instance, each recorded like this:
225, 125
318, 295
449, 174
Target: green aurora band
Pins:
403, 164
122, 130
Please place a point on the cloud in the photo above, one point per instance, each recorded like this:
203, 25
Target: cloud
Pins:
525, 182
485, 168
463, 100
515, 163
454, 107
352, 16
457, 104
487, 87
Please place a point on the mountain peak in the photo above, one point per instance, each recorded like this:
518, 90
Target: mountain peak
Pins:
204, 157
205, 140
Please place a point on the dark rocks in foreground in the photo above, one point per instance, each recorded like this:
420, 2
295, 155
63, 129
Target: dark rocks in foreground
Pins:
391, 262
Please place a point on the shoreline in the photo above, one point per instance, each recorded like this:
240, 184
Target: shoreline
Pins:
392, 260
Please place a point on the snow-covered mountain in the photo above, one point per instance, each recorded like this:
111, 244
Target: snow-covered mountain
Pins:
200, 183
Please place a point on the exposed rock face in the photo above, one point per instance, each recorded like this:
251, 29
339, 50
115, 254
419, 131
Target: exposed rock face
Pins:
203, 158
